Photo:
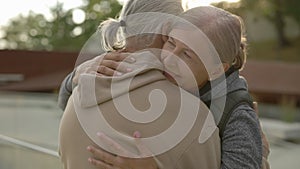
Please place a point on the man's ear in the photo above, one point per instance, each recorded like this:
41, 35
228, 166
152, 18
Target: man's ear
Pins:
226, 66
220, 69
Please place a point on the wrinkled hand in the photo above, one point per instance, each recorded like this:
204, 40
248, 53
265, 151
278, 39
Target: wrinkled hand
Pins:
108, 64
111, 65
105, 160
89, 66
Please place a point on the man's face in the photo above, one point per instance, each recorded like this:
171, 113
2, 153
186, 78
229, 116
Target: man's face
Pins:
181, 63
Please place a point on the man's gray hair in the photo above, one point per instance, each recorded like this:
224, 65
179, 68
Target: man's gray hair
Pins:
225, 31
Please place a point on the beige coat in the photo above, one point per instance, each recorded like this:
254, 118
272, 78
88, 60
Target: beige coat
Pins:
176, 126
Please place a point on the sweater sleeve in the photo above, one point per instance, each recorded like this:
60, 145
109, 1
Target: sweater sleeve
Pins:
65, 90
241, 142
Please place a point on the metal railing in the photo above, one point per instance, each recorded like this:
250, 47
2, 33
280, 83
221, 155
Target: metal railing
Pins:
29, 146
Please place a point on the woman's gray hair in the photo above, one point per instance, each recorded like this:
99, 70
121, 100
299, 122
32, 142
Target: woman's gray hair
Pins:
114, 31
224, 30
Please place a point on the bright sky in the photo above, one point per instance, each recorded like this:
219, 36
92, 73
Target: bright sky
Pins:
194, 3
12, 8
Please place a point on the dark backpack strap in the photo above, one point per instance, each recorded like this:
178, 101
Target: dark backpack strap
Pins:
233, 100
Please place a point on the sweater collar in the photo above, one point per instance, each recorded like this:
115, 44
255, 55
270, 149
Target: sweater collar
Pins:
205, 91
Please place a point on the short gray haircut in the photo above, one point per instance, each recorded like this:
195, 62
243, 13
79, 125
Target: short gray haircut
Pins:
113, 32
225, 31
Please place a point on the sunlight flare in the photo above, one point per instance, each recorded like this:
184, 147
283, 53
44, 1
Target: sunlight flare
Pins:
195, 3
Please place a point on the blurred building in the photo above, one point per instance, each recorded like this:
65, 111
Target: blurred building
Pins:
268, 81
273, 81
34, 71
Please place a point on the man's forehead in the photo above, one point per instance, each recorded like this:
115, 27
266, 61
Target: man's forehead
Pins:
182, 34
191, 38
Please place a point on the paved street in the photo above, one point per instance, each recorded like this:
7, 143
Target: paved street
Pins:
34, 119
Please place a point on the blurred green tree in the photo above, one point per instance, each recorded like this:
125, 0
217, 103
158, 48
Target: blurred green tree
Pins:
273, 10
293, 10
66, 31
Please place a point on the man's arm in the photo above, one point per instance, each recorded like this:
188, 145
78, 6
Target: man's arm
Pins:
241, 142
65, 90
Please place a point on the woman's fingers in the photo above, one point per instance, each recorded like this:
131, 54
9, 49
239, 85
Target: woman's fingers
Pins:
114, 56
86, 67
115, 146
111, 64
144, 151
100, 164
118, 57
108, 64
136, 134
103, 159
103, 70
102, 155
117, 66
121, 163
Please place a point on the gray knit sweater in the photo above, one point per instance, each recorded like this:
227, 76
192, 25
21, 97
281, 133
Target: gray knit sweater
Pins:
241, 140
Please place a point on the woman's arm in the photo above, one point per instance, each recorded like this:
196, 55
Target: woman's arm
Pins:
241, 142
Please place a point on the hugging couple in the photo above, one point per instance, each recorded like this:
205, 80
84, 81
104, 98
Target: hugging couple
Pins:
166, 94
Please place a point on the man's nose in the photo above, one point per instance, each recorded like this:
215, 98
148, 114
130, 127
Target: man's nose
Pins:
171, 64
